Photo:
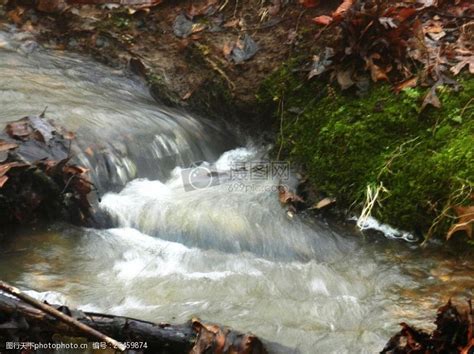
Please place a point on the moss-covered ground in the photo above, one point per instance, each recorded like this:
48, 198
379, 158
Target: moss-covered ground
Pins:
347, 143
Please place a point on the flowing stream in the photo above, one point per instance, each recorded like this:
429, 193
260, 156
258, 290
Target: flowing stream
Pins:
228, 253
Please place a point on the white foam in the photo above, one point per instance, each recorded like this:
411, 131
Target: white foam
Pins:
229, 158
149, 257
51, 297
371, 223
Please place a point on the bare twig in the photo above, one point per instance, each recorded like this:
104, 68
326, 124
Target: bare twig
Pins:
372, 196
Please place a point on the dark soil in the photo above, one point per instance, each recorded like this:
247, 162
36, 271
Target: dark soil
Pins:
193, 72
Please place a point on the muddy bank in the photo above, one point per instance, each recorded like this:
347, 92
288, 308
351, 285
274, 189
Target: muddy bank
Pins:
207, 56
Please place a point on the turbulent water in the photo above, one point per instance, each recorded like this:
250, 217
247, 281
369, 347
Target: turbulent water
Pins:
227, 253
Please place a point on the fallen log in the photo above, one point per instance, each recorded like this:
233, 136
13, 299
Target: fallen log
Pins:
38, 181
21, 322
87, 330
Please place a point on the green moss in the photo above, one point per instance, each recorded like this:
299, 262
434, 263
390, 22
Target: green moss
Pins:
423, 158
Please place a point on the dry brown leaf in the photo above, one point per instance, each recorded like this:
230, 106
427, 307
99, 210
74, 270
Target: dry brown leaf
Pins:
89, 151
342, 9
324, 203
309, 3
16, 15
465, 219
139, 3
323, 20
344, 79
51, 6
405, 13
428, 3
462, 63
228, 47
431, 98
224, 340
4, 170
376, 72
469, 348
286, 197
202, 9
412, 82
3, 180
5, 145
232, 23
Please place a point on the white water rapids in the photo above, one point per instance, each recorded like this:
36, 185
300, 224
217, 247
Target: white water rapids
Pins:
228, 253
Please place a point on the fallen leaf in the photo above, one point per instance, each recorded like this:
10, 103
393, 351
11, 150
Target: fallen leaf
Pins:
223, 340
16, 15
5, 145
323, 20
309, 3
19, 129
465, 216
412, 82
387, 22
138, 3
228, 47
376, 72
405, 13
287, 197
469, 61
51, 6
3, 180
344, 79
187, 96
274, 8
232, 23
342, 9
324, 203
198, 27
89, 151
428, 3
321, 62
431, 98
205, 9
43, 129
4, 170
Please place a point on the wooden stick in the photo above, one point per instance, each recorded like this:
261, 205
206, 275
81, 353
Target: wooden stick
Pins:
61, 316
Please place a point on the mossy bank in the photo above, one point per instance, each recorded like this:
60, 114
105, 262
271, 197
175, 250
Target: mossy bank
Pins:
420, 161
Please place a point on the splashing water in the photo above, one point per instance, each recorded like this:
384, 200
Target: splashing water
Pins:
227, 253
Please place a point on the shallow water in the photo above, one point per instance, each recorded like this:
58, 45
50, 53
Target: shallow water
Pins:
228, 253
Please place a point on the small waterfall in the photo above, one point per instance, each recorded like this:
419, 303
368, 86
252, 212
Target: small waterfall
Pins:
199, 242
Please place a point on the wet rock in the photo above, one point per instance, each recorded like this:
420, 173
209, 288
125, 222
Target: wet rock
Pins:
182, 26
244, 49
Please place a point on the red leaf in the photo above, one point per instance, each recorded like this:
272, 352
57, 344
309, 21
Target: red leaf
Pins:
342, 9
405, 13
309, 3
323, 20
